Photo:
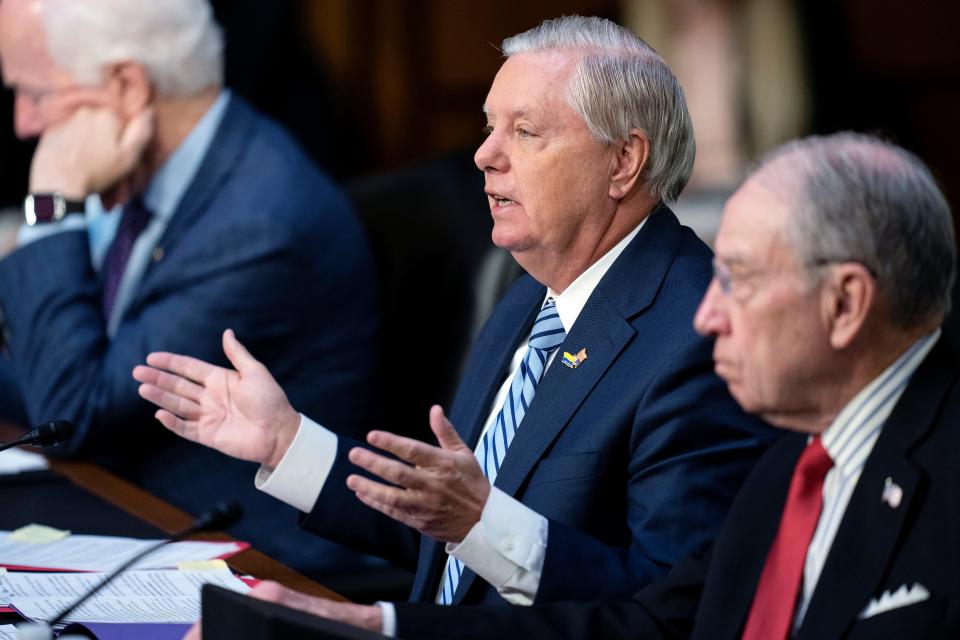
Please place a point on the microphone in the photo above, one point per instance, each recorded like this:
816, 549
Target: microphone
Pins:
44, 435
219, 517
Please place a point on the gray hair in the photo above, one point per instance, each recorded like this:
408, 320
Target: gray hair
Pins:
177, 41
866, 200
621, 83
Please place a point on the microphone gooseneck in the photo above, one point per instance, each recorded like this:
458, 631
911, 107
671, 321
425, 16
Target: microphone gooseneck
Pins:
44, 435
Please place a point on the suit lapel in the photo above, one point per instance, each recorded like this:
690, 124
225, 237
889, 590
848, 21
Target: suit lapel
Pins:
482, 377
225, 151
867, 537
490, 360
603, 328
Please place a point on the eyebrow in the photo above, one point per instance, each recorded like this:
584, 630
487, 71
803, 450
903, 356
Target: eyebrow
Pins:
515, 114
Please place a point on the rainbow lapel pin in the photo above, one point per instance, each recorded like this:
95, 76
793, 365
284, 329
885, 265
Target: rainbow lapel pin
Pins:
574, 361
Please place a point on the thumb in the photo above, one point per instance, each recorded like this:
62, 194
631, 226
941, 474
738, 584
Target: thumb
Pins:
134, 138
238, 355
443, 429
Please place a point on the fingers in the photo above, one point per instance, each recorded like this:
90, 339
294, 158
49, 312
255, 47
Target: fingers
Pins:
177, 425
178, 405
193, 633
184, 366
399, 515
238, 355
443, 429
413, 451
399, 473
400, 500
168, 382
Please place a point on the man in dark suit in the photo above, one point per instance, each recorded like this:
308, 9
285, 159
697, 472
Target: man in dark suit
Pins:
225, 223
626, 449
833, 274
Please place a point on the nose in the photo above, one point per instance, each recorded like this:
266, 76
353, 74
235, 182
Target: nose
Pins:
28, 121
711, 318
490, 156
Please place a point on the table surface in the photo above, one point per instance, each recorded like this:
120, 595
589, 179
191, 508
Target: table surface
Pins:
160, 514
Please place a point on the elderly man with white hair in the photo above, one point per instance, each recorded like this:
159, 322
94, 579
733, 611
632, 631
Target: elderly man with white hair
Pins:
221, 221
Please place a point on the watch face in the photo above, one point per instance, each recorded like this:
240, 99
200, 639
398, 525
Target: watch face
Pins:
43, 207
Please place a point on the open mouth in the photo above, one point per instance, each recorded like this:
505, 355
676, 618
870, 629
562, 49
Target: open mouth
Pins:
501, 201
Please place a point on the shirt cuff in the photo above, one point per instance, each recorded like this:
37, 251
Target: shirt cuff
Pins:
304, 468
28, 234
506, 548
389, 619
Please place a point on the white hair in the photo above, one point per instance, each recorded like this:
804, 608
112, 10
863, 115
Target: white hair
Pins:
621, 83
177, 41
864, 199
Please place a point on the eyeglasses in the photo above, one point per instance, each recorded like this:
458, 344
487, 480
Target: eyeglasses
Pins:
732, 283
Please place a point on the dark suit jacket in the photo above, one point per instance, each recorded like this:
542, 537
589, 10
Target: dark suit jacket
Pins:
877, 548
633, 456
261, 242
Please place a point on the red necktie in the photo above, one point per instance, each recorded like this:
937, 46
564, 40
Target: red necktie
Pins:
771, 613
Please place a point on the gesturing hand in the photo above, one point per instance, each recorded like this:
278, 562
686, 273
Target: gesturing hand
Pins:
441, 492
242, 413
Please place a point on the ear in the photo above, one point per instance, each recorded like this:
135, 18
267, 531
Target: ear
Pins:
630, 158
130, 87
849, 300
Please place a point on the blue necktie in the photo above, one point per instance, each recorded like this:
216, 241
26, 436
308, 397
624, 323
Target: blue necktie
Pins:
546, 335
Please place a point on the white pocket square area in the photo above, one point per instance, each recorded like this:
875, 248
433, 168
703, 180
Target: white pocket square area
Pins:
902, 597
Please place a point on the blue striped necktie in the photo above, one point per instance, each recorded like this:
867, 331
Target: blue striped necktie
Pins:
546, 335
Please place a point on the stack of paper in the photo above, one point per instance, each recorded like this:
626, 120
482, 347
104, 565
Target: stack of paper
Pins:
138, 596
18, 461
103, 553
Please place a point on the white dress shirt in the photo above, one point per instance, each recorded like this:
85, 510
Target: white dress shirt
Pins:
849, 440
508, 545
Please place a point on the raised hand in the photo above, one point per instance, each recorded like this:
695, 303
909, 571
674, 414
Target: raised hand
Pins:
241, 412
90, 151
441, 492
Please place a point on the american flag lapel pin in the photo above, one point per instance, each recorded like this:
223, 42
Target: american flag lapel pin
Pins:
574, 361
892, 493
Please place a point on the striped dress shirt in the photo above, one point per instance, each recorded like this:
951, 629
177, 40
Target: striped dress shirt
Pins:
849, 440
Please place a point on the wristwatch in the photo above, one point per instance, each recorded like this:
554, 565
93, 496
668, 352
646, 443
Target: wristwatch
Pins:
39, 208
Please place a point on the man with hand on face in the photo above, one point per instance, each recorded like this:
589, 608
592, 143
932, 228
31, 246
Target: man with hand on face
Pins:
833, 275
588, 402
224, 222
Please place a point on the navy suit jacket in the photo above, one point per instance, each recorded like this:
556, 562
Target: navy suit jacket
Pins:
261, 242
634, 456
878, 549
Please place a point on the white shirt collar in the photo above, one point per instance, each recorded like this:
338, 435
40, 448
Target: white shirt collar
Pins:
850, 437
571, 302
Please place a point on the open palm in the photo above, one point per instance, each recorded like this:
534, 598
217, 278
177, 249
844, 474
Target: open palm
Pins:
241, 412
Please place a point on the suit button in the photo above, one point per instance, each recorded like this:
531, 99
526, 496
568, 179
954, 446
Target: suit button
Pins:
157, 254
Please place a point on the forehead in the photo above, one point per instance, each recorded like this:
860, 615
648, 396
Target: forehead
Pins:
753, 224
24, 54
530, 84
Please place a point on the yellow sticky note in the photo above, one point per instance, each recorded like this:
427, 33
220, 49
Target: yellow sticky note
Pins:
201, 565
38, 534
